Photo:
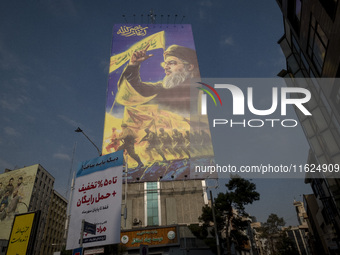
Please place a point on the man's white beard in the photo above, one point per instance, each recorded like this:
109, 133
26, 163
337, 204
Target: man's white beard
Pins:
176, 79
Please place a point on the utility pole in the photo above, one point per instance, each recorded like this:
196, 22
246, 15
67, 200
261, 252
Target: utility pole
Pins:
82, 233
125, 197
215, 224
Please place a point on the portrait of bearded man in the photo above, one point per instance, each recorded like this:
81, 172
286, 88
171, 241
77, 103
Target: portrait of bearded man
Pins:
173, 92
153, 86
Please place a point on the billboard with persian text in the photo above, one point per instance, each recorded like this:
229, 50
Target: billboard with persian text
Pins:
96, 199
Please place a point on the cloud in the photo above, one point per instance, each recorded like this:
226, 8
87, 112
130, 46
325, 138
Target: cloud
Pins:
10, 61
14, 90
72, 123
105, 65
20, 81
274, 61
62, 7
7, 60
280, 60
4, 164
205, 7
11, 131
62, 156
229, 41
202, 14
206, 3
13, 103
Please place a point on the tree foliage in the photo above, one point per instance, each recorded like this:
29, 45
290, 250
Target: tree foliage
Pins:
229, 224
272, 226
271, 231
285, 246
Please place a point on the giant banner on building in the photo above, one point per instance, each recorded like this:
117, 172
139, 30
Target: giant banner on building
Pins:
15, 195
148, 109
96, 199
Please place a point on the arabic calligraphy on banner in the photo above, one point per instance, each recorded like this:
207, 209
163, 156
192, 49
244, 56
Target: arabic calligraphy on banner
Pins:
97, 199
20, 236
130, 31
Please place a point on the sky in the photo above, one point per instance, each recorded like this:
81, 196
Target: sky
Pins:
54, 62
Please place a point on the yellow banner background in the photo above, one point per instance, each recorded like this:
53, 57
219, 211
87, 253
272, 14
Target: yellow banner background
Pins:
156, 41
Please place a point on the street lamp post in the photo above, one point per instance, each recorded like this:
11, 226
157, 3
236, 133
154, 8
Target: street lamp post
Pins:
24, 205
215, 224
79, 130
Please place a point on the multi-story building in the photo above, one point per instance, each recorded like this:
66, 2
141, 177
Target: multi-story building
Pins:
162, 211
311, 47
27, 189
300, 234
297, 235
260, 243
317, 238
161, 196
301, 213
54, 234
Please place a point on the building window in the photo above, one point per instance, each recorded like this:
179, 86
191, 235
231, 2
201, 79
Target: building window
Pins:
152, 203
317, 45
317, 188
298, 9
325, 216
330, 6
299, 58
292, 64
294, 14
335, 95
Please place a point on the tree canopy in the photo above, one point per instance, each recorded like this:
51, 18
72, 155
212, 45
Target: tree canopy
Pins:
230, 213
277, 241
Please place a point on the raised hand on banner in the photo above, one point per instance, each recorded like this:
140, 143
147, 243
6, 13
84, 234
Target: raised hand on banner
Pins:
140, 56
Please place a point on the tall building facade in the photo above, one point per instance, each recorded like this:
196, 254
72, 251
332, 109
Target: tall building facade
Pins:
311, 46
259, 243
54, 233
300, 234
24, 190
297, 235
153, 118
157, 214
316, 239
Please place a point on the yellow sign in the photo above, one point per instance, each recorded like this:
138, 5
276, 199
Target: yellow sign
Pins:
20, 236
